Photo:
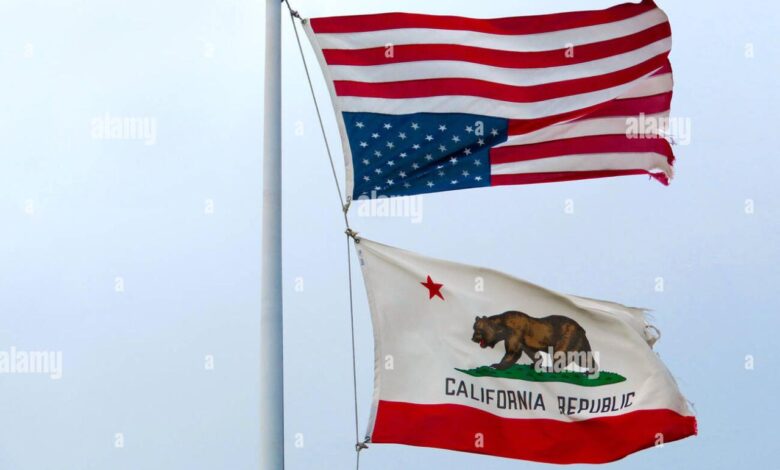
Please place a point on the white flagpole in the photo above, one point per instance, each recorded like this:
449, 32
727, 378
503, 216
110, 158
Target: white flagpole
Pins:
271, 344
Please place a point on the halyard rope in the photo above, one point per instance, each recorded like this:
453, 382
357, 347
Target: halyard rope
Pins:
349, 232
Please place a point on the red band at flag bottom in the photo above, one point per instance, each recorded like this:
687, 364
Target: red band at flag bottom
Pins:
467, 429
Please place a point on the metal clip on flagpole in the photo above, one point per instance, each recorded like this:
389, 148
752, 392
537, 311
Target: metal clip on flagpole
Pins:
293, 13
362, 445
352, 234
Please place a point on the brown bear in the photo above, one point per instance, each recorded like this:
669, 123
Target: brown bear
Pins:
524, 334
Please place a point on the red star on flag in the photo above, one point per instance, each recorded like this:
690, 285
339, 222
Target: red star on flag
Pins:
434, 290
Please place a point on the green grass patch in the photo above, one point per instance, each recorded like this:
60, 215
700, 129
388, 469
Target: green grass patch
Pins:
528, 373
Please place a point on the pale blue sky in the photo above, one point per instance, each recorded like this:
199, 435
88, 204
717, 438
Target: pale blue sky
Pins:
77, 212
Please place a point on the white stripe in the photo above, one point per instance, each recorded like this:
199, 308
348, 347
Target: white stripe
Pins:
519, 43
651, 86
649, 161
570, 130
422, 70
349, 177
491, 107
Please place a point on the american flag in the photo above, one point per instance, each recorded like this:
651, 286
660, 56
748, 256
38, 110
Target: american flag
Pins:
434, 103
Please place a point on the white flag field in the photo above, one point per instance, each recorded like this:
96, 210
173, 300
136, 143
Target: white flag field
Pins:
474, 360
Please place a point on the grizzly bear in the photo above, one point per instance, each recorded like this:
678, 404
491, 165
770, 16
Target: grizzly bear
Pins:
524, 334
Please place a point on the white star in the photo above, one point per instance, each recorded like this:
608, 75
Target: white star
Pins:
455, 138
442, 128
478, 178
442, 148
493, 132
415, 166
467, 151
377, 153
401, 136
377, 188
481, 142
465, 173
429, 157
454, 182
390, 145
415, 126
402, 174
416, 146
407, 185
390, 182
374, 135
429, 138
439, 167
469, 129
403, 155
366, 178
454, 161
388, 126
429, 184
363, 144
366, 161
359, 124
441, 173
378, 171
391, 163
477, 162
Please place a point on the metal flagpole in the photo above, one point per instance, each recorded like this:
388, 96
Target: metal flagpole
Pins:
271, 344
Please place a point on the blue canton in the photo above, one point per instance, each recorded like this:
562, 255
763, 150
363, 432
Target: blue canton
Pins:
402, 155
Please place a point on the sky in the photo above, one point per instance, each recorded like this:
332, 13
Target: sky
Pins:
135, 258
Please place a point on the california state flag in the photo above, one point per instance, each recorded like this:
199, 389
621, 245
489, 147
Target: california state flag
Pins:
474, 360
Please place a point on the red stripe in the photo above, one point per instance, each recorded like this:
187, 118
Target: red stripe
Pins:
667, 68
524, 126
634, 106
497, 91
559, 177
596, 440
517, 25
497, 58
595, 144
